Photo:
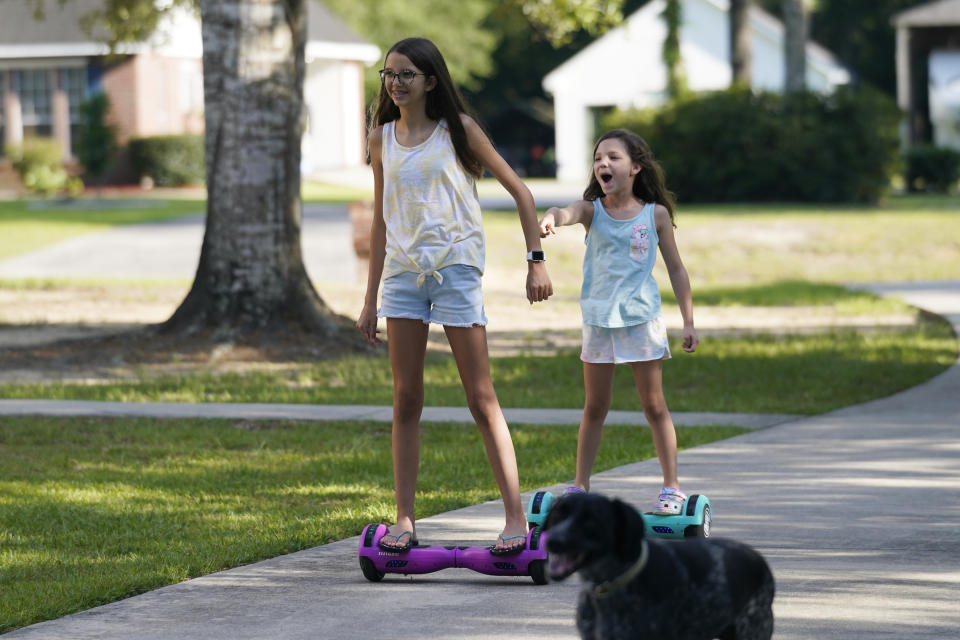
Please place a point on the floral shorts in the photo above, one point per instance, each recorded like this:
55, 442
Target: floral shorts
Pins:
636, 343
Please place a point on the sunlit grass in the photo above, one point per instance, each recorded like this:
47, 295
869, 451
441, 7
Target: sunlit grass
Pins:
794, 373
312, 191
28, 225
95, 510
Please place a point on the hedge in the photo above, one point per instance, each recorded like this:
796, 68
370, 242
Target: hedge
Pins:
931, 168
739, 145
170, 161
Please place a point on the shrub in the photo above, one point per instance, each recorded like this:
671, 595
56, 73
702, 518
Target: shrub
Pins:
39, 161
96, 140
170, 161
740, 145
931, 168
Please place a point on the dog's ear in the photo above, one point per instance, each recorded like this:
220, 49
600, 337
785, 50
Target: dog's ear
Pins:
629, 530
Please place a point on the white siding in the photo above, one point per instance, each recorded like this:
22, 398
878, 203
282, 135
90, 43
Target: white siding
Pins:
625, 68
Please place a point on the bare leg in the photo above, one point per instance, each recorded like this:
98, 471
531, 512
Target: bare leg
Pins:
648, 377
407, 344
469, 346
598, 384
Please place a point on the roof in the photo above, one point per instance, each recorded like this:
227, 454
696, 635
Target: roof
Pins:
59, 33
942, 13
329, 37
61, 23
23, 36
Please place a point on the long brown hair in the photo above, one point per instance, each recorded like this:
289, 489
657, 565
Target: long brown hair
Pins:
443, 101
650, 185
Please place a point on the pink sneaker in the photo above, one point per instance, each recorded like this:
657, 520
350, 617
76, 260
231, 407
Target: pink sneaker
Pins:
670, 502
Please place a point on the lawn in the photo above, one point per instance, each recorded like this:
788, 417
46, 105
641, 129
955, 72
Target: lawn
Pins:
95, 510
759, 373
183, 498
28, 225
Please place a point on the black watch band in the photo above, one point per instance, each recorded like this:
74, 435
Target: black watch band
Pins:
536, 256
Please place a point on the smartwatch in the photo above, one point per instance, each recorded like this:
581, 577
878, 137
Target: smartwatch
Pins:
536, 256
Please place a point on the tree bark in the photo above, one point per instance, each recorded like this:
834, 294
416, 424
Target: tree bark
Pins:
794, 45
251, 274
740, 54
676, 80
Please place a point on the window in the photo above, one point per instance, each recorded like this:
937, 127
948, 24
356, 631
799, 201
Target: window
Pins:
75, 86
34, 85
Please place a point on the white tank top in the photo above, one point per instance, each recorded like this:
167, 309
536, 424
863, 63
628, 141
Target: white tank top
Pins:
430, 207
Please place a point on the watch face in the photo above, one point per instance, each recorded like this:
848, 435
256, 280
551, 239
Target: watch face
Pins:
536, 256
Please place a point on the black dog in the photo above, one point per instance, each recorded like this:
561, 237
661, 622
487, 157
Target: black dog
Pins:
692, 589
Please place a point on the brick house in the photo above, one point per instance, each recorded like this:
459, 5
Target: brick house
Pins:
49, 67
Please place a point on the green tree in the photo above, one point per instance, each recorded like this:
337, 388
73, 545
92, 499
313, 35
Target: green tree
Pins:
561, 20
457, 28
118, 21
96, 140
251, 274
676, 79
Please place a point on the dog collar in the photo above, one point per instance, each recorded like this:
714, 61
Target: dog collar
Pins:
604, 589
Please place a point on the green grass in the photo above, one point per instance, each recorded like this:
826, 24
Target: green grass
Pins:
795, 373
907, 238
95, 510
28, 225
182, 498
321, 192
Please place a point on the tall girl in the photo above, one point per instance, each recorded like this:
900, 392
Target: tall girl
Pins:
627, 212
427, 245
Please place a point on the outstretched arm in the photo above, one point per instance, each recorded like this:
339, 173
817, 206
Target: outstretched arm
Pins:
539, 287
580, 212
679, 279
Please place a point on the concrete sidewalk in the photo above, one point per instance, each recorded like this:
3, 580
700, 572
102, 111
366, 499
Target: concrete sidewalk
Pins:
253, 411
857, 511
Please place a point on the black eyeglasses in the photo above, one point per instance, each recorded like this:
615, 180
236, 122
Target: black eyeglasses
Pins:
405, 77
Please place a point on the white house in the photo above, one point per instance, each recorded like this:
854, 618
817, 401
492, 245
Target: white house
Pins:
624, 68
49, 67
929, 33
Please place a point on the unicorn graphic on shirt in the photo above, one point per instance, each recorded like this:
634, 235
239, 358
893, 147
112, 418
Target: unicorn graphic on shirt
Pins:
639, 242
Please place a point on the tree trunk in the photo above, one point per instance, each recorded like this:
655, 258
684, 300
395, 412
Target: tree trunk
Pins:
251, 274
794, 45
740, 54
676, 80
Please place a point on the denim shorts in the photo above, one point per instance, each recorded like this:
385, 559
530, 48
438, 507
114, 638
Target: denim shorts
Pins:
636, 343
457, 301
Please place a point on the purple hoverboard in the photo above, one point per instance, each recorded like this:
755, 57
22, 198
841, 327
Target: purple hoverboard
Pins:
376, 562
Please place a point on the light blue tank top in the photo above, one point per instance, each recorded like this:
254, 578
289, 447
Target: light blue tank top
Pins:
618, 285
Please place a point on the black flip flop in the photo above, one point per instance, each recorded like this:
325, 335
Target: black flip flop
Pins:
411, 542
509, 551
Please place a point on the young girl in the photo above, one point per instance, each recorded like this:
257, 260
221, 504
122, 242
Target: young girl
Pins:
427, 243
627, 213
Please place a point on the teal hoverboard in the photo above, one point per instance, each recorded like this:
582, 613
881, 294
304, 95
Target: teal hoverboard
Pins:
695, 521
